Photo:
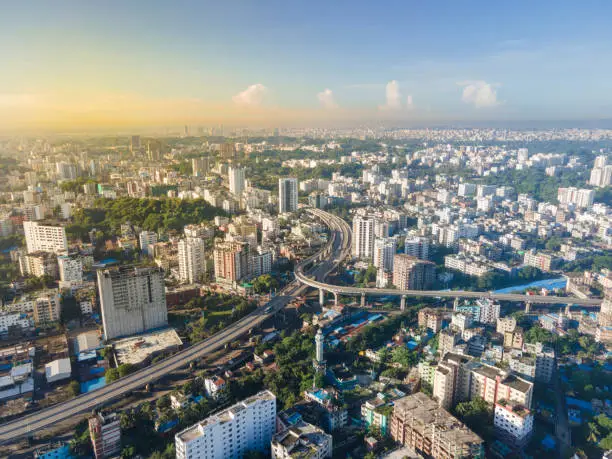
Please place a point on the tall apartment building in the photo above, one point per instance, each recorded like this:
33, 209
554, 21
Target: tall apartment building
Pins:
484, 310
543, 261
418, 247
191, 259
236, 177
133, 300
545, 363
452, 380
70, 268
513, 423
246, 426
582, 198
384, 251
147, 240
302, 440
46, 238
363, 237
105, 434
418, 422
66, 171
287, 195
228, 150
410, 273
231, 260
601, 174
39, 264
492, 384
260, 262
47, 308
200, 166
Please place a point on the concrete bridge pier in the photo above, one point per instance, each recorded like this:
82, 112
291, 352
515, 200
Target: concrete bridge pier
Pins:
527, 307
403, 303
321, 297
335, 298
567, 310
363, 300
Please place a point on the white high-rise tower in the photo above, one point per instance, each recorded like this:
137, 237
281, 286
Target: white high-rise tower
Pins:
319, 339
236, 180
287, 195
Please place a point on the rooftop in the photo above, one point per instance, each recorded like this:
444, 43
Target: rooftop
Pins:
136, 349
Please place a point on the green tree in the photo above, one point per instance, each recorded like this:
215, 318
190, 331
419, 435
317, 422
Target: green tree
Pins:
75, 388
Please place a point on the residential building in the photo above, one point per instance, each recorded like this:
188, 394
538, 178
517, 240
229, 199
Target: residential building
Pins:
581, 198
543, 261
236, 180
492, 384
214, 386
231, 261
200, 166
287, 195
452, 380
334, 415
45, 237
419, 422
70, 268
105, 434
39, 264
302, 440
513, 423
417, 247
260, 262
9, 320
545, 361
363, 237
483, 310
47, 308
191, 259
58, 370
246, 426
384, 251
132, 299
431, 319
147, 240
410, 273
505, 324
376, 412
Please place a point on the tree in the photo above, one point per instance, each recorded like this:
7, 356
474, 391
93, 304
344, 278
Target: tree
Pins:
404, 357
70, 309
112, 374
75, 388
125, 369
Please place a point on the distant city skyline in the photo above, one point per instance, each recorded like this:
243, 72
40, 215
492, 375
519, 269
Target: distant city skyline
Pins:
87, 66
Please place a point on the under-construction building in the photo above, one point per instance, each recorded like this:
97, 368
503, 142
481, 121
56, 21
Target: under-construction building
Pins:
419, 422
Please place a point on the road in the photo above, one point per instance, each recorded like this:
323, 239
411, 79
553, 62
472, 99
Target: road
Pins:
336, 250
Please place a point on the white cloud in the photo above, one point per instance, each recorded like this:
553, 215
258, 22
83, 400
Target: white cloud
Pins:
409, 102
253, 95
326, 98
479, 94
18, 100
393, 96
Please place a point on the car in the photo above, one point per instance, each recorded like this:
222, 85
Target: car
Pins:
268, 310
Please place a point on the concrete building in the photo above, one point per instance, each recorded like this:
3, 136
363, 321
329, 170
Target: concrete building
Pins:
47, 307
287, 195
15, 320
58, 370
543, 261
419, 422
147, 240
132, 299
105, 434
302, 440
417, 247
260, 262
431, 319
200, 166
581, 198
410, 273
505, 324
39, 264
191, 260
545, 361
70, 268
46, 238
384, 251
214, 386
246, 426
363, 237
231, 261
236, 175
452, 380
513, 423
492, 384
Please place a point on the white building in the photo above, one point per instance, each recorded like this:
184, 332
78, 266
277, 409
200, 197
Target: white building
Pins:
191, 259
513, 423
302, 440
384, 251
417, 247
287, 195
260, 262
236, 180
46, 238
214, 386
363, 237
246, 426
133, 300
58, 370
581, 198
147, 239
70, 268
12, 319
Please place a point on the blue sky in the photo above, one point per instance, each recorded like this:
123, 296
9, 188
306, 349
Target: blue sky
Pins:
245, 60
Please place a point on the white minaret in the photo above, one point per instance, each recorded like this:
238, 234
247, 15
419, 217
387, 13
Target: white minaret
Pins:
319, 347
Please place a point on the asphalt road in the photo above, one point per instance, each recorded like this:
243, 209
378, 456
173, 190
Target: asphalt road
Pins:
62, 412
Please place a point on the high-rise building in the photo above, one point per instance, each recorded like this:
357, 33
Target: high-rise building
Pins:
417, 247
47, 308
410, 273
513, 423
236, 180
302, 440
363, 237
105, 434
191, 259
319, 347
135, 143
260, 262
384, 251
431, 319
246, 426
133, 300
231, 260
46, 238
66, 171
147, 240
70, 268
601, 174
200, 166
580, 198
287, 195
419, 422
228, 150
